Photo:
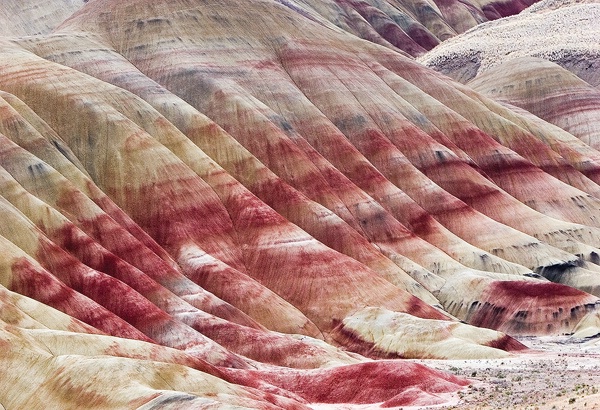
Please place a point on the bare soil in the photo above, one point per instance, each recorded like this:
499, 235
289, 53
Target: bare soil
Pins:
558, 373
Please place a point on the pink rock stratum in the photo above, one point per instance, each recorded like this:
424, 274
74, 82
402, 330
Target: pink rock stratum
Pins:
271, 204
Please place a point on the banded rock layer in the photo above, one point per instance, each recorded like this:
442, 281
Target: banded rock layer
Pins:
199, 212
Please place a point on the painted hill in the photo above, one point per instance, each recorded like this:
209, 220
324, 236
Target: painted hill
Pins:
199, 212
411, 26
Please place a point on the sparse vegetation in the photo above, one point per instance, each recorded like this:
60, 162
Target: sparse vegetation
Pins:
540, 382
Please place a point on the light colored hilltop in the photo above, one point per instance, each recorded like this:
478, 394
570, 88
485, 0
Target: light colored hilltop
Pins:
566, 33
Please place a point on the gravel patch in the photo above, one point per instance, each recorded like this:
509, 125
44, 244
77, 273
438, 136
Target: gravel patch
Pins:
557, 373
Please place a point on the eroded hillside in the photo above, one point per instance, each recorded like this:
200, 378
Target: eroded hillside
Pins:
208, 204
